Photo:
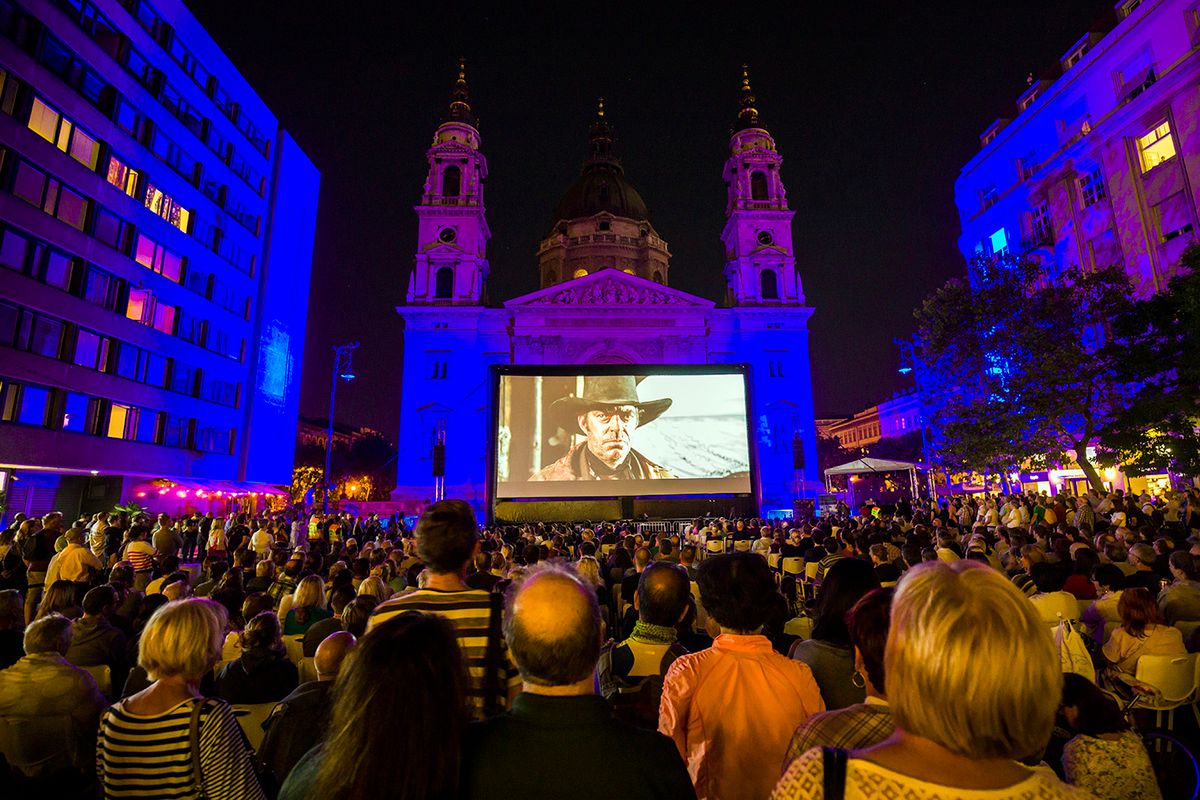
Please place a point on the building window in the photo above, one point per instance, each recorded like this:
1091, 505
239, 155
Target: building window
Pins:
63, 134
32, 404
45, 335
123, 176
98, 288
109, 229
1041, 230
91, 351
32, 186
1091, 188
1173, 217
758, 186
1156, 146
13, 249
768, 284
998, 242
451, 181
657, 277
139, 306
444, 283
988, 196
57, 270
579, 273
120, 421
164, 206
154, 256
75, 412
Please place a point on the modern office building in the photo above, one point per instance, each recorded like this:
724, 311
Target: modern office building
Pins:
1098, 163
156, 233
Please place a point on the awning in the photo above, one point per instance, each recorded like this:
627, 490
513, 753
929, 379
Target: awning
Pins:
862, 465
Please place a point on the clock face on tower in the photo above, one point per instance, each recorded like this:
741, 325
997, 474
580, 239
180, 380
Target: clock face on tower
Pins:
447, 235
765, 237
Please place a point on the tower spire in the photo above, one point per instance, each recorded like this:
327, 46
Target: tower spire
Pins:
748, 115
460, 99
601, 138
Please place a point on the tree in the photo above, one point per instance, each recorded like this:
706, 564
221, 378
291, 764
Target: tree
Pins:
1012, 370
1157, 352
830, 453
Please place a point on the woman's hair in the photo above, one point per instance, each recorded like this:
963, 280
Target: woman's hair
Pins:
1138, 610
408, 668
255, 604
183, 637
1098, 712
1085, 560
310, 593
588, 568
968, 663
867, 622
1185, 562
263, 632
1110, 576
845, 583
357, 612
59, 597
375, 587
735, 589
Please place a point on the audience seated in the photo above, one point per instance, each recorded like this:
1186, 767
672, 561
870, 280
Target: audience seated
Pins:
1050, 602
59, 598
95, 641
1104, 757
339, 598
309, 605
732, 708
972, 679
1180, 600
407, 677
145, 748
545, 745
263, 673
630, 674
829, 653
300, 720
862, 724
44, 685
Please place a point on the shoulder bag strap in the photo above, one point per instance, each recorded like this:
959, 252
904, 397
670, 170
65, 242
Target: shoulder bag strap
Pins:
492, 683
194, 736
834, 772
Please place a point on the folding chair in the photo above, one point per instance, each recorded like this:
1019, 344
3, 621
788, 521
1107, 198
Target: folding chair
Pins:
251, 717
102, 674
1164, 683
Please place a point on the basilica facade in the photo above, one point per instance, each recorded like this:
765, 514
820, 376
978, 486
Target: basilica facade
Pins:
605, 299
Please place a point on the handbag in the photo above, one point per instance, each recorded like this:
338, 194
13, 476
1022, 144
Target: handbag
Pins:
262, 773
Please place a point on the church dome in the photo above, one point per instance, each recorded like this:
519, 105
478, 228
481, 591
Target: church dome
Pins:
602, 185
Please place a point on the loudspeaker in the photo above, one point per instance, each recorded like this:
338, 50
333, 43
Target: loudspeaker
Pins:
797, 453
439, 460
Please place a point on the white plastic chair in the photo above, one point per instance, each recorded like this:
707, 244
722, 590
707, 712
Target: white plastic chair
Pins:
793, 565
1172, 681
742, 545
774, 560
715, 546
251, 718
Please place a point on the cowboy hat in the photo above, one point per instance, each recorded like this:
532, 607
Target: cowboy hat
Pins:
607, 390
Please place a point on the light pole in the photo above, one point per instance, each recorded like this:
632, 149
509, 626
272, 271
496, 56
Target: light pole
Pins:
912, 363
343, 367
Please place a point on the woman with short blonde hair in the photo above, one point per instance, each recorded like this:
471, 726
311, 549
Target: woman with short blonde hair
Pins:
973, 681
375, 587
309, 605
144, 748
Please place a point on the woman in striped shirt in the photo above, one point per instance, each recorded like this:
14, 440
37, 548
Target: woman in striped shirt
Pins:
144, 749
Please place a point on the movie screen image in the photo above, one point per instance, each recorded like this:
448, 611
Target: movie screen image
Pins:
614, 435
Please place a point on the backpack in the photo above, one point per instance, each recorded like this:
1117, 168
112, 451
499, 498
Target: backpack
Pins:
1073, 653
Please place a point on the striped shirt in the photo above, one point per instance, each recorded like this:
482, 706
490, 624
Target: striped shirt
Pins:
151, 756
470, 612
141, 555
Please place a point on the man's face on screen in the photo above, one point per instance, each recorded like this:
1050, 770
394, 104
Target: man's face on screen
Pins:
608, 430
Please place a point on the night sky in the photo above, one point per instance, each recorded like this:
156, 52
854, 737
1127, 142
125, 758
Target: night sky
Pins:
874, 109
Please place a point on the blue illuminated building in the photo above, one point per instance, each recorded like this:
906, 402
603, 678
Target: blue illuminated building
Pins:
156, 235
604, 299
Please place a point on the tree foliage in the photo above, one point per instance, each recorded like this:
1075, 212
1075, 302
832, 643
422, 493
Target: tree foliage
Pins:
1011, 371
1156, 350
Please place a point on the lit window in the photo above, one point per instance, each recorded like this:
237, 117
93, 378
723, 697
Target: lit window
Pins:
85, 149
140, 302
43, 120
579, 273
118, 420
164, 317
122, 176
1156, 146
164, 206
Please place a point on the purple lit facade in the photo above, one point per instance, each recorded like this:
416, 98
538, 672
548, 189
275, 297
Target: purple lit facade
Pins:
604, 299
1098, 165
156, 233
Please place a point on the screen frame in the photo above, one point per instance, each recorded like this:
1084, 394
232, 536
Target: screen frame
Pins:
497, 371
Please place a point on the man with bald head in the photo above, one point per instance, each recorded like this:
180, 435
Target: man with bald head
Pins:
545, 745
298, 722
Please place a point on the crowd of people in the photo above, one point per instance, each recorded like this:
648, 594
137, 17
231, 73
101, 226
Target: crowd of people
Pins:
898, 652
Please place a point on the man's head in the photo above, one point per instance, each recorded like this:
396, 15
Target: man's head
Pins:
552, 626
641, 557
50, 634
331, 652
447, 536
662, 594
76, 536
609, 431
100, 601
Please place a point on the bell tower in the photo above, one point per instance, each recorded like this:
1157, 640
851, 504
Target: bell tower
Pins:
760, 265
451, 265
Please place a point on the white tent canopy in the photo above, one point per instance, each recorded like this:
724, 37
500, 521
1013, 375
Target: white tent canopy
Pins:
861, 465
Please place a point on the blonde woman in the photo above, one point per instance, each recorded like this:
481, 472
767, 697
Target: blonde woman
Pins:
309, 605
144, 748
973, 681
375, 587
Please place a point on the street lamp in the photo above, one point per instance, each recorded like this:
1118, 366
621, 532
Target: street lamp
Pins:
343, 367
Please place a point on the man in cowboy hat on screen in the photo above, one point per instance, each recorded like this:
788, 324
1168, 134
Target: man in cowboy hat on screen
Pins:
607, 412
